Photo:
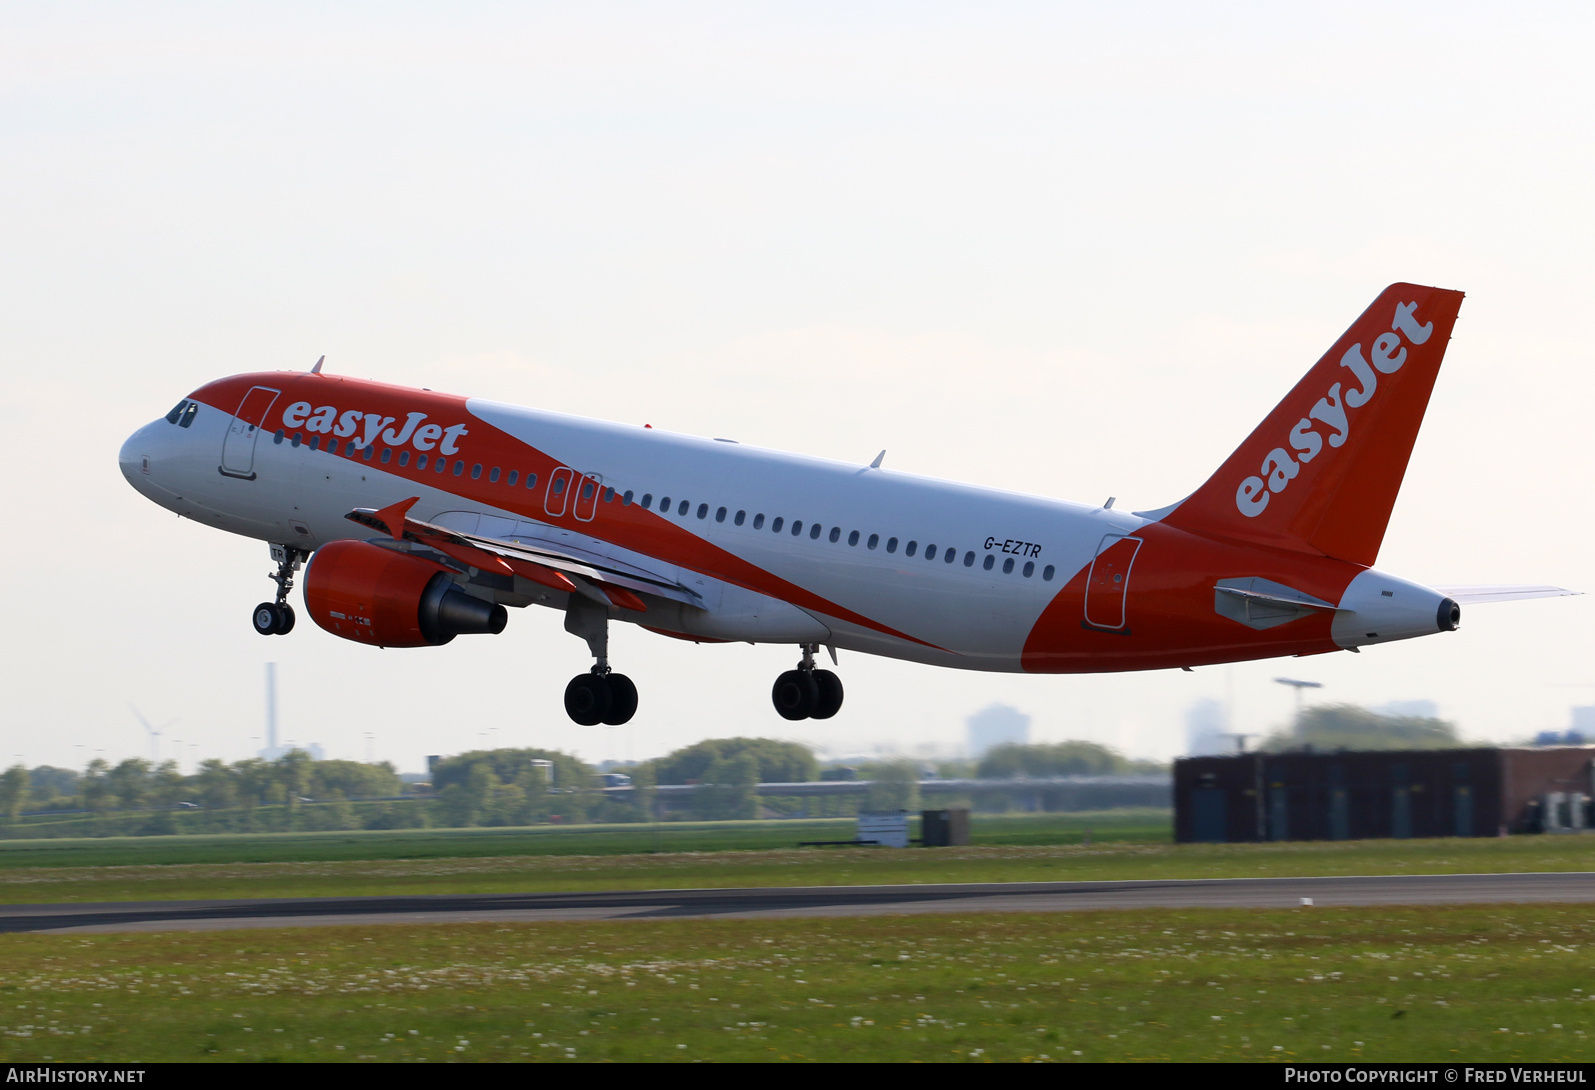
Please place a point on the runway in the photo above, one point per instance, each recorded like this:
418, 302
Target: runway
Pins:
775, 902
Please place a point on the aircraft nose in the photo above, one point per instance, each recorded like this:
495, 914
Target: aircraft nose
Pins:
134, 457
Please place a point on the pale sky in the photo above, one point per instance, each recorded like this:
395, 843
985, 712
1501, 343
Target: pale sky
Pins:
1073, 249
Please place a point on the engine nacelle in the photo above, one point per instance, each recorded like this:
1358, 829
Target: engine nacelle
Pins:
373, 595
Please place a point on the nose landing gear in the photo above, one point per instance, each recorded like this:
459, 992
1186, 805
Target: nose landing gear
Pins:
277, 618
807, 693
600, 695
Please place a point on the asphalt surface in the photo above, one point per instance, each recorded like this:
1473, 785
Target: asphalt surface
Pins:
773, 902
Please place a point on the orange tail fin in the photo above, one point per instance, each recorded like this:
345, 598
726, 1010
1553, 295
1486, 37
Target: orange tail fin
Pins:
1321, 472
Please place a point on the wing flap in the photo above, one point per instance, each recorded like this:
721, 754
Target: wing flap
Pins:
610, 581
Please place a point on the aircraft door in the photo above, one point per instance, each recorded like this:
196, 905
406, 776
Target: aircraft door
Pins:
238, 446
587, 498
557, 498
1108, 582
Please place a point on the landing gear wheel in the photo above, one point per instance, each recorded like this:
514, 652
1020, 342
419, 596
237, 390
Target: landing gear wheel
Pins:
622, 700
267, 619
587, 699
795, 695
830, 694
286, 624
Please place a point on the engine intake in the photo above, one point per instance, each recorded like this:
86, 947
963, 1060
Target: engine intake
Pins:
372, 595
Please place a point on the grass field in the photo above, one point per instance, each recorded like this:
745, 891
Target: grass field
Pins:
1497, 983
1124, 846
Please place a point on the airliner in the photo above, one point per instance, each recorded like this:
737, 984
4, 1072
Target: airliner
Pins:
424, 515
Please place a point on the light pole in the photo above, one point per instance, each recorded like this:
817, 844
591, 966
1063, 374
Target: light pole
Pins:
1298, 685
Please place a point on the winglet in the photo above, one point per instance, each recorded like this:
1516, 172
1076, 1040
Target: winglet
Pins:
392, 516
316, 370
879, 458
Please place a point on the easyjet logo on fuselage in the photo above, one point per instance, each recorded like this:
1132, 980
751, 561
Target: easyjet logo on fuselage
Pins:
1279, 468
366, 428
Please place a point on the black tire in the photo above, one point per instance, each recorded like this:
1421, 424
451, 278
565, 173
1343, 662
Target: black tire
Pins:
587, 700
266, 619
795, 695
830, 694
622, 700
287, 624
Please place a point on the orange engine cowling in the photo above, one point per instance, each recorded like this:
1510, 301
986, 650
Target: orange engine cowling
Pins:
373, 595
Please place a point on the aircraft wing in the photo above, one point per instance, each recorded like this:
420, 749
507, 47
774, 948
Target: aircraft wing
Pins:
577, 571
1479, 595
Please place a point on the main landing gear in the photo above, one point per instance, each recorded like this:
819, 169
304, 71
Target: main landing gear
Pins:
600, 695
807, 693
277, 618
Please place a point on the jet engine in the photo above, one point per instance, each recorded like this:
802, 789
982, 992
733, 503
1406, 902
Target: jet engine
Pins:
373, 595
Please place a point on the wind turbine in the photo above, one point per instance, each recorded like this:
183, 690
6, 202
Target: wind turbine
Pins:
154, 733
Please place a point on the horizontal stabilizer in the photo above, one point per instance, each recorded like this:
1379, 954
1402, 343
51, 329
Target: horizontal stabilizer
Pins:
1470, 596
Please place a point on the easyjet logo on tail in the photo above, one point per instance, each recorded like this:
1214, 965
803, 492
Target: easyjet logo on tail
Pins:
327, 420
1333, 410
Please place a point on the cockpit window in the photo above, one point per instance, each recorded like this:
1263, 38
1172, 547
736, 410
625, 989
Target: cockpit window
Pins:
189, 414
177, 411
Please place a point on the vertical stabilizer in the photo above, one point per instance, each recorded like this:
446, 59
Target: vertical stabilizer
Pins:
1321, 472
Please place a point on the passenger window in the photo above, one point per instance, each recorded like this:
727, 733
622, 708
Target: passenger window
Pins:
177, 411
387, 455
365, 452
1030, 568
492, 475
404, 457
531, 480
298, 438
1007, 566
913, 547
742, 516
278, 437
814, 532
587, 490
891, 544
647, 500
758, 521
836, 534
441, 464
420, 461
969, 560
950, 556
1047, 572
459, 467
514, 478
609, 495
989, 562
625, 501
775, 527
930, 552
332, 446
874, 540
852, 539
703, 510
559, 485
476, 471
681, 508
797, 527
720, 515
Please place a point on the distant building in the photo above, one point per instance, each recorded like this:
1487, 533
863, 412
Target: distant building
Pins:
1206, 730
998, 725
1353, 795
274, 753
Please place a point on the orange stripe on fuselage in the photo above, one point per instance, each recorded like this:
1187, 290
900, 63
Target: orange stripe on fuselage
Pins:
629, 527
1169, 614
